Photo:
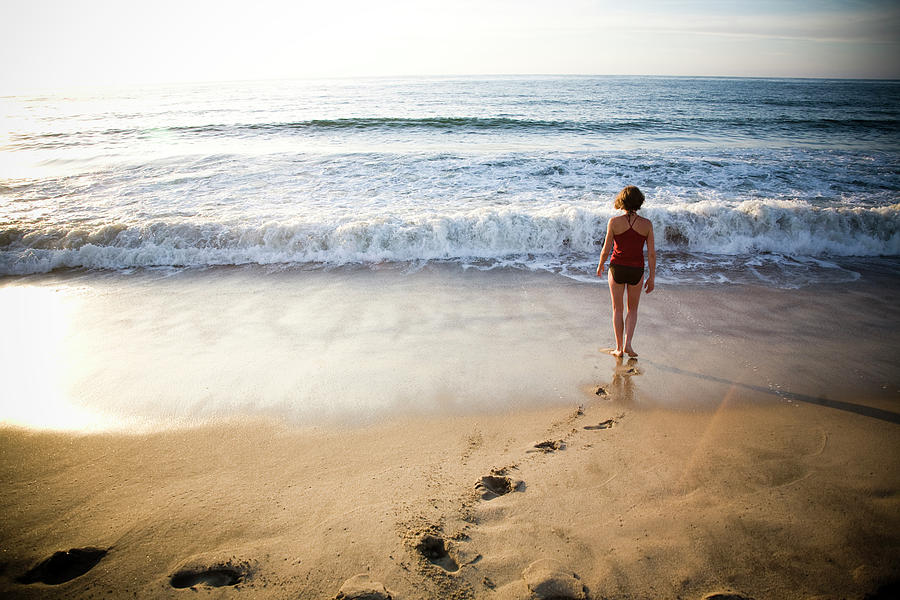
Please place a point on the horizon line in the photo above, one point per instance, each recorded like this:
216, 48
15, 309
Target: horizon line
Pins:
30, 90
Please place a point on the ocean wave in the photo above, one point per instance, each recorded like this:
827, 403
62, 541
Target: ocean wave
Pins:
532, 235
758, 126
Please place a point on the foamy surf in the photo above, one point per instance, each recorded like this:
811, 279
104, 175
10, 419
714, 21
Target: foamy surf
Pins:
539, 238
744, 182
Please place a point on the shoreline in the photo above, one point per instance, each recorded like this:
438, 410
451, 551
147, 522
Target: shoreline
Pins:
738, 271
750, 449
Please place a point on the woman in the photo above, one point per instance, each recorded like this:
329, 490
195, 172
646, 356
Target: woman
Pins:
625, 237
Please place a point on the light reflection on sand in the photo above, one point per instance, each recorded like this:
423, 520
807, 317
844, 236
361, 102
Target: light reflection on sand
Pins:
154, 350
35, 361
158, 350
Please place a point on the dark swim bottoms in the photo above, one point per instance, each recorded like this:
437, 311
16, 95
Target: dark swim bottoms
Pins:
622, 274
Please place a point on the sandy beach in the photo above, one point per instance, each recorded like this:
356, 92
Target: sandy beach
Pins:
298, 300
751, 451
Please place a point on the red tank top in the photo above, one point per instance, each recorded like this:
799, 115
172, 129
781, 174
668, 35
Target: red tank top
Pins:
628, 247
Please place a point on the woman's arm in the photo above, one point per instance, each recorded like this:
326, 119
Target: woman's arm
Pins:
607, 247
651, 261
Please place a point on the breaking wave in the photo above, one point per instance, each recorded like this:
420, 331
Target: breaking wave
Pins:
531, 236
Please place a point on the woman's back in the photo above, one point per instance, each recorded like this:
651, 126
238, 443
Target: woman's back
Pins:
623, 223
629, 234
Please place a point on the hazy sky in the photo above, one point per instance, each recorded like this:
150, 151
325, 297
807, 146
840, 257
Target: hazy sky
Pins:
64, 43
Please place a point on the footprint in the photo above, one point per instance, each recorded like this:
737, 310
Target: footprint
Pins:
628, 369
607, 424
548, 579
495, 486
64, 566
433, 549
601, 391
362, 587
218, 576
725, 596
550, 446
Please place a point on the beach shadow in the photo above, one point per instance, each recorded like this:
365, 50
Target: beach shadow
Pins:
548, 446
432, 548
219, 576
64, 566
859, 409
494, 486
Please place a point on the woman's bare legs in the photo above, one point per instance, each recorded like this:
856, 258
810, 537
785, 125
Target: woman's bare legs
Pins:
634, 297
617, 293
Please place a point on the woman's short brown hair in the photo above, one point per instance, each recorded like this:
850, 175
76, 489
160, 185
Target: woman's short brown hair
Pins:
630, 198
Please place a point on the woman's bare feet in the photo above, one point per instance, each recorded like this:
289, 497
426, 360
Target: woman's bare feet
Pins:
617, 353
630, 351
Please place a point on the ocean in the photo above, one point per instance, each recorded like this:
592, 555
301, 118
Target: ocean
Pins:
352, 250
775, 181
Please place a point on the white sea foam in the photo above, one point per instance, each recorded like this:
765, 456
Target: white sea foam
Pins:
515, 172
529, 237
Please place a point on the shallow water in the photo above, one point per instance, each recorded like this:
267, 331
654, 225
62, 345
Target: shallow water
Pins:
162, 349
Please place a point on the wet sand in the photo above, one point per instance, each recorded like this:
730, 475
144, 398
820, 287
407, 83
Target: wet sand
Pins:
751, 450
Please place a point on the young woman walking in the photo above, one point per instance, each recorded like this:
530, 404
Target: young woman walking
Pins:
626, 236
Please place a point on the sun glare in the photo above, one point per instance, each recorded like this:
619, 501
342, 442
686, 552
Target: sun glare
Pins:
34, 322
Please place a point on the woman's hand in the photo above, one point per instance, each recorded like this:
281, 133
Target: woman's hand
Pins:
600, 270
648, 285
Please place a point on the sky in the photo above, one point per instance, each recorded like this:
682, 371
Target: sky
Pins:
60, 44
